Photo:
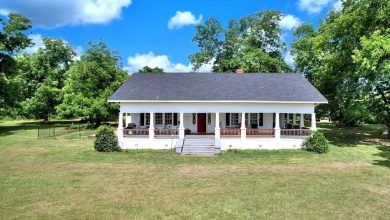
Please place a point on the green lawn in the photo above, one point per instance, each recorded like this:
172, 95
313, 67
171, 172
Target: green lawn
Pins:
66, 178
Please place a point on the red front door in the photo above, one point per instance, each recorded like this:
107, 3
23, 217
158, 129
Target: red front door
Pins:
201, 122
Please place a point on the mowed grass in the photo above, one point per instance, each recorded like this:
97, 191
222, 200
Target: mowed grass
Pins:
66, 178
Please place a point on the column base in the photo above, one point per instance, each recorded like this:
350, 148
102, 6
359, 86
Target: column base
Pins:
277, 133
151, 133
243, 133
217, 133
120, 137
181, 133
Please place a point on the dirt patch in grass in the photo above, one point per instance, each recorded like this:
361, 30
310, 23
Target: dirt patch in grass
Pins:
379, 190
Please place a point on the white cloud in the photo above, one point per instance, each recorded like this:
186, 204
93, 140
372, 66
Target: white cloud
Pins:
289, 22
313, 6
289, 59
4, 12
138, 61
66, 12
79, 50
37, 41
338, 6
183, 18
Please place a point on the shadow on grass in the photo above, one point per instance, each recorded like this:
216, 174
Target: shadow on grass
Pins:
32, 125
353, 136
363, 135
385, 153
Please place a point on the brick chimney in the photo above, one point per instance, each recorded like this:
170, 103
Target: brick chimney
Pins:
239, 71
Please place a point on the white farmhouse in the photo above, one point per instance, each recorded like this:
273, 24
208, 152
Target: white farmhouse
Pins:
204, 113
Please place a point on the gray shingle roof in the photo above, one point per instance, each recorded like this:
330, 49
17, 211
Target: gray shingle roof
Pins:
274, 87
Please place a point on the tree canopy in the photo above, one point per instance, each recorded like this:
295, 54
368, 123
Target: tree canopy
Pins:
347, 59
12, 41
251, 43
148, 69
90, 82
43, 76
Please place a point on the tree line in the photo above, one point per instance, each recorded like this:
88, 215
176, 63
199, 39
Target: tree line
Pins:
53, 82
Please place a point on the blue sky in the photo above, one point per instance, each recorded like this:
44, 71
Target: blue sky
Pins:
153, 32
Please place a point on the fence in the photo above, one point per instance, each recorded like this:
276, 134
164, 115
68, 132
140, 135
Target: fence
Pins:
64, 132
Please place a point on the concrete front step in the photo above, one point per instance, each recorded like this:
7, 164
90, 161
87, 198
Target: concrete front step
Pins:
198, 149
198, 146
199, 142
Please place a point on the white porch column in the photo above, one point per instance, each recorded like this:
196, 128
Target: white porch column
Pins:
302, 121
313, 122
181, 126
128, 119
277, 127
217, 128
120, 129
243, 128
151, 126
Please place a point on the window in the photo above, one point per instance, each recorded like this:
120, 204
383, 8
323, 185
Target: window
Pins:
209, 118
253, 120
193, 118
234, 119
144, 119
168, 118
261, 119
247, 124
159, 118
147, 119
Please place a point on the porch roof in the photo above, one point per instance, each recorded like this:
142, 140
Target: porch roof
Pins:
248, 87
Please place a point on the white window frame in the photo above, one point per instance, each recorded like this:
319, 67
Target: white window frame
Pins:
237, 120
167, 118
147, 119
253, 118
159, 118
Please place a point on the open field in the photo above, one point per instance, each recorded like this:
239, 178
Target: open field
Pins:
66, 178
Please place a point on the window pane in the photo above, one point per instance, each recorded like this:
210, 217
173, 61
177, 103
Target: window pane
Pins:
159, 118
168, 118
209, 118
253, 120
147, 118
234, 119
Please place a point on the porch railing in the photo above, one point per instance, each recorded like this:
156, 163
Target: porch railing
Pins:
166, 131
135, 131
230, 132
295, 132
260, 132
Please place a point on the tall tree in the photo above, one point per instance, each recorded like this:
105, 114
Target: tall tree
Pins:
251, 43
43, 76
91, 81
12, 41
325, 57
373, 68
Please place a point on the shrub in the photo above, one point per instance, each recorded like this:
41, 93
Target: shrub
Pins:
316, 142
106, 140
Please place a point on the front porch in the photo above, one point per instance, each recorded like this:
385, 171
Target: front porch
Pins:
229, 130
